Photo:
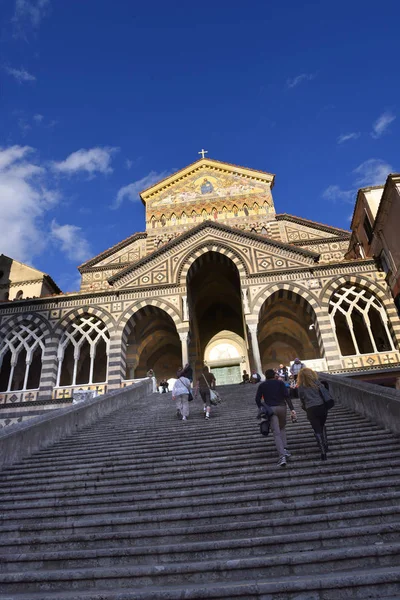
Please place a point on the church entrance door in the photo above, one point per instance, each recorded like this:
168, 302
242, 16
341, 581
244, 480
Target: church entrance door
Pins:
227, 375
216, 315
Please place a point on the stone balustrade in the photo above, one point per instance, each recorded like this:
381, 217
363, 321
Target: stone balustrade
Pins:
377, 403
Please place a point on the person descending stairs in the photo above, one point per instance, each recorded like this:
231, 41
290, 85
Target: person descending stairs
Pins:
140, 507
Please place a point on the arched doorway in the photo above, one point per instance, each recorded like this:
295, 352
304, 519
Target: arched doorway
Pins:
288, 328
152, 343
215, 307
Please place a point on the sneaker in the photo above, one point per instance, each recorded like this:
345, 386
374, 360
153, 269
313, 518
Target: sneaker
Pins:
184, 418
207, 416
287, 453
282, 461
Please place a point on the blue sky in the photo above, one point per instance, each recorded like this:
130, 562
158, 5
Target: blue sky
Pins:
99, 99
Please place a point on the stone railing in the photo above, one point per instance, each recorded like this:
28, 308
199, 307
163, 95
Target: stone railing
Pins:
21, 440
379, 404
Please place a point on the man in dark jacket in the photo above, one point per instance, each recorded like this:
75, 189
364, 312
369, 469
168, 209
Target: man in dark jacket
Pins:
274, 393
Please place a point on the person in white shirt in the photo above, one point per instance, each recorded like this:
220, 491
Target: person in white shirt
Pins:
180, 393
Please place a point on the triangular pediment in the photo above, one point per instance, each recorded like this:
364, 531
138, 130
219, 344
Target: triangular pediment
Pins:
207, 179
252, 254
297, 230
129, 250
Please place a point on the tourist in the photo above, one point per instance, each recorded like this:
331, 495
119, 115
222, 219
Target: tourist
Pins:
245, 377
255, 377
164, 385
283, 372
188, 372
274, 394
312, 401
205, 383
296, 368
180, 393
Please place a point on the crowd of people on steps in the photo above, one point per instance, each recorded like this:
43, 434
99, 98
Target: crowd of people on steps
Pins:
273, 397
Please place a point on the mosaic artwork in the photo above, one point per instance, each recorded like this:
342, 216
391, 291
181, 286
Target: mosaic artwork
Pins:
207, 185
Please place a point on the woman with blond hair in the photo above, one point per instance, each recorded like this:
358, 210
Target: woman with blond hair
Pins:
312, 394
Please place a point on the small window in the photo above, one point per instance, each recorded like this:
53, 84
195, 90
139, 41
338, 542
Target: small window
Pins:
19, 295
368, 228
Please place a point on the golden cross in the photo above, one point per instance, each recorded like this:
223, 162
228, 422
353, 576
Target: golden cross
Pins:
203, 152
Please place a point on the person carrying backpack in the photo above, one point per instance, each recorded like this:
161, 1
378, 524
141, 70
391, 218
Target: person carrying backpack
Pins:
274, 393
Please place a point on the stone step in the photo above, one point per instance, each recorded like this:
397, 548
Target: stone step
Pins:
315, 562
285, 527
167, 489
202, 550
183, 480
216, 515
308, 451
96, 497
217, 471
295, 438
356, 584
222, 500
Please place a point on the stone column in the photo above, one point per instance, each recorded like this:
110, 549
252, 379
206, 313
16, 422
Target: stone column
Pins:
116, 360
48, 377
184, 337
254, 345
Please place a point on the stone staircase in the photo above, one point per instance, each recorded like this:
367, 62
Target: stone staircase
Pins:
141, 506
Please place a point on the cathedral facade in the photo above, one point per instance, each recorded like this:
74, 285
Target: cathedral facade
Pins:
217, 277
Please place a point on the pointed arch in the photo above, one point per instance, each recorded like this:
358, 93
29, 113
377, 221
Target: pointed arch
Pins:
235, 210
183, 218
187, 261
153, 222
256, 208
204, 214
246, 210
173, 220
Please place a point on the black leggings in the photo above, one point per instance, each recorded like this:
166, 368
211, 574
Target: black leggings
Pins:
317, 416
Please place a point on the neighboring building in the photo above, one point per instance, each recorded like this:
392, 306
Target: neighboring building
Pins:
376, 229
217, 277
19, 281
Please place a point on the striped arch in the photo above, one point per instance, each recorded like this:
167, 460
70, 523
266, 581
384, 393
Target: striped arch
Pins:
231, 253
133, 308
34, 318
309, 301
74, 314
304, 293
383, 294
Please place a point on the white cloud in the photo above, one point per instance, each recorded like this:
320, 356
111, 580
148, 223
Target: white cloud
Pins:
131, 191
128, 164
24, 199
29, 13
372, 172
382, 123
291, 83
334, 193
95, 160
21, 75
71, 240
345, 137
38, 119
